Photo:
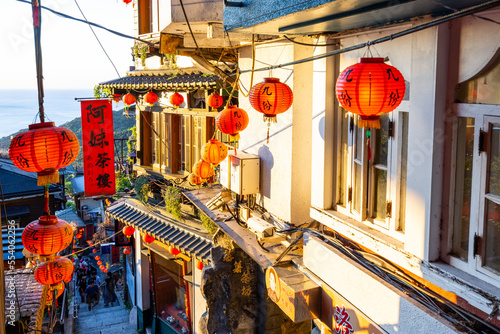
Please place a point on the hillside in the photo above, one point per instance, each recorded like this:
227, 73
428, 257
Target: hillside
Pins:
121, 126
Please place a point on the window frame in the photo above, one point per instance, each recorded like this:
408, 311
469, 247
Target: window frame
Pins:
388, 226
483, 115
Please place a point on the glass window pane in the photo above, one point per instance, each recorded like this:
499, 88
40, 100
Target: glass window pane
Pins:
483, 88
359, 142
380, 195
358, 176
382, 141
492, 236
463, 185
403, 118
494, 161
342, 175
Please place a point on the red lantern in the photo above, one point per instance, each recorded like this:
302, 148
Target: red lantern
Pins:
148, 238
105, 270
44, 148
232, 121
47, 235
117, 98
215, 101
99, 263
176, 99
203, 169
271, 97
150, 98
128, 231
97, 258
127, 251
370, 88
214, 152
102, 267
196, 180
53, 272
127, 1
199, 265
174, 251
78, 235
94, 251
128, 99
90, 242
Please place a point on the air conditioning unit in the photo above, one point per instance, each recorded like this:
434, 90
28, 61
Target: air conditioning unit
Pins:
240, 172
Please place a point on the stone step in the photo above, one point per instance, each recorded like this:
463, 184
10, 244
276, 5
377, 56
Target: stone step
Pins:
114, 329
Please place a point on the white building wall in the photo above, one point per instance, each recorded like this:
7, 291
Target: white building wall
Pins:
200, 304
141, 274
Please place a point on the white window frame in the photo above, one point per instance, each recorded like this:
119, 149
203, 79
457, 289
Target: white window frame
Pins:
389, 225
483, 115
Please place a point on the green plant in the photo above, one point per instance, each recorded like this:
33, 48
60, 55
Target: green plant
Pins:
131, 142
71, 204
141, 50
141, 187
172, 199
102, 92
207, 223
122, 182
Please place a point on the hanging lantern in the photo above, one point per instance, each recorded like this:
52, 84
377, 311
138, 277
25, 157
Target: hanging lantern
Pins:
174, 251
127, 1
196, 180
59, 287
199, 265
215, 101
78, 235
150, 98
271, 97
127, 251
99, 263
128, 99
203, 169
214, 152
105, 270
90, 242
117, 98
102, 267
48, 273
47, 235
97, 258
176, 99
44, 148
94, 251
148, 238
370, 88
232, 121
128, 231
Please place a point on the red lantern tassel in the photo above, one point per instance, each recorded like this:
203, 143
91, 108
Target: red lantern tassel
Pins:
369, 122
46, 178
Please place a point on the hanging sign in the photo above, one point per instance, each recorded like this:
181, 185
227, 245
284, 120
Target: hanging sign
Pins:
121, 239
98, 147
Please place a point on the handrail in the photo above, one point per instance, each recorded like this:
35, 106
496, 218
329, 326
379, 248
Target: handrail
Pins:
63, 309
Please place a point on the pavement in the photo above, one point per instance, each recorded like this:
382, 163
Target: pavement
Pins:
104, 320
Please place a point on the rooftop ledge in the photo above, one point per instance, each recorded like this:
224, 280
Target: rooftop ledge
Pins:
244, 238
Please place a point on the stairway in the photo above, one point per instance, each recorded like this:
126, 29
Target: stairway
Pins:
104, 320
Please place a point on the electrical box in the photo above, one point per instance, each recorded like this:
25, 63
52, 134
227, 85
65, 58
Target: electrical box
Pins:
240, 172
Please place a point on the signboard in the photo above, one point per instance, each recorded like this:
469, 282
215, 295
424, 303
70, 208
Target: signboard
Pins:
98, 147
339, 316
121, 239
296, 295
115, 254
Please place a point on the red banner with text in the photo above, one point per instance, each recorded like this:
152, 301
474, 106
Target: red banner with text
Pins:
98, 147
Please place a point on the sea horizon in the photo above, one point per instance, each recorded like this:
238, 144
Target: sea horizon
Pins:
19, 107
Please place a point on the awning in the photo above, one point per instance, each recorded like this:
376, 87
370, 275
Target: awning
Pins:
15, 210
164, 80
168, 231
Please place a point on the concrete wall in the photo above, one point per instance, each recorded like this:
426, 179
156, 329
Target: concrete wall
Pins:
141, 275
285, 160
197, 300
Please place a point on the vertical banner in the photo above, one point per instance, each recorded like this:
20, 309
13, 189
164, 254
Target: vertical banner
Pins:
121, 239
98, 147
115, 254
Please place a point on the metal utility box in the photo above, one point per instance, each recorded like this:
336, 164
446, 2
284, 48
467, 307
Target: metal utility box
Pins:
240, 172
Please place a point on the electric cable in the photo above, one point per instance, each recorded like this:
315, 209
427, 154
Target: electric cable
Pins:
309, 44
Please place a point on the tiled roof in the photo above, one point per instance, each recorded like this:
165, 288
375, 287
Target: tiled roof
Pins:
29, 291
163, 229
164, 80
70, 216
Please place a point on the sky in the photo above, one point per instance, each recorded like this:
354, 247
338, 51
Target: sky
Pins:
72, 57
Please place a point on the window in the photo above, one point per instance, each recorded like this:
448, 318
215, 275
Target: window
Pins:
145, 13
371, 171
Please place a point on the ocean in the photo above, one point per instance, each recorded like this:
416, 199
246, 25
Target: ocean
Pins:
18, 108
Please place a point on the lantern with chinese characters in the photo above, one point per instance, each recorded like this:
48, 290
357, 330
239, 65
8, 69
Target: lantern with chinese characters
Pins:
232, 121
214, 152
215, 101
128, 99
203, 169
127, 251
174, 251
150, 98
148, 238
370, 88
271, 97
128, 231
44, 148
47, 235
53, 272
199, 265
196, 180
176, 99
